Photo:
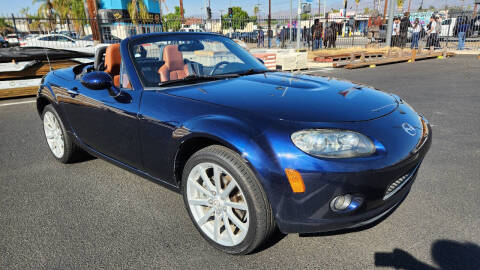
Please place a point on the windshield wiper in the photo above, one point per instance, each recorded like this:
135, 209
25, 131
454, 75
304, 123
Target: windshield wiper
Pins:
252, 71
198, 78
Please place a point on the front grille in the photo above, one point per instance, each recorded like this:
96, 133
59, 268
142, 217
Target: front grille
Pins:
399, 183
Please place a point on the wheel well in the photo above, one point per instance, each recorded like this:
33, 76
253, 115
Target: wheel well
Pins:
187, 149
42, 102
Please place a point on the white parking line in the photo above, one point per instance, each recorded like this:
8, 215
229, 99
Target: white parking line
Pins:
17, 103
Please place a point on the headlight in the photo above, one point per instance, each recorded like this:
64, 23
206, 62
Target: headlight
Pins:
332, 143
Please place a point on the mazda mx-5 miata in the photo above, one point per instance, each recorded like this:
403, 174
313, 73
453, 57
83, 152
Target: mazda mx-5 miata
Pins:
251, 150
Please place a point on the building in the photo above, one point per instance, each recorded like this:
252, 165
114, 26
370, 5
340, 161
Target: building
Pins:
115, 19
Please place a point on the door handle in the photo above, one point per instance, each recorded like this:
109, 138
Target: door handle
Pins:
73, 92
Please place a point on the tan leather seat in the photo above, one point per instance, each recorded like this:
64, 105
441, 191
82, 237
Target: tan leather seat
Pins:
174, 67
113, 60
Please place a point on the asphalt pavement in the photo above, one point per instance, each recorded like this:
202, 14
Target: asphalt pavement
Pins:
94, 215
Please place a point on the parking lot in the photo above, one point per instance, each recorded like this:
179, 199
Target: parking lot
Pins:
95, 215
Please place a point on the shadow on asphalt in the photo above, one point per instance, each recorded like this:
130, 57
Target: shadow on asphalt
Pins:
276, 237
447, 254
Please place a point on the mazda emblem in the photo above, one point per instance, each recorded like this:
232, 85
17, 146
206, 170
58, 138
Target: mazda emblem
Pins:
409, 129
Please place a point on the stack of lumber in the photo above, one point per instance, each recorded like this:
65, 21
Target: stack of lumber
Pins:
357, 58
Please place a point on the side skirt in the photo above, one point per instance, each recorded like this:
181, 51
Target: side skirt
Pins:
124, 166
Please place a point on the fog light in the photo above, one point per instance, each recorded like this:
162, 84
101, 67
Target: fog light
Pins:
346, 203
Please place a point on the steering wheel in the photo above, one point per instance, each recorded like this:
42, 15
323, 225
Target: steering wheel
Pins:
217, 66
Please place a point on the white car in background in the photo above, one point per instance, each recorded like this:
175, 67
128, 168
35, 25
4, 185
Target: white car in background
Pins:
12, 39
58, 41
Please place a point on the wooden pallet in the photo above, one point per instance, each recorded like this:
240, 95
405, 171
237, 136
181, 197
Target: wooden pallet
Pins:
348, 57
395, 59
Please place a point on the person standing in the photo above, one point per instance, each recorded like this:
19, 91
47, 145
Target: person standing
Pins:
277, 36
432, 32
316, 35
260, 38
463, 27
417, 28
404, 25
283, 36
374, 28
396, 33
331, 35
438, 28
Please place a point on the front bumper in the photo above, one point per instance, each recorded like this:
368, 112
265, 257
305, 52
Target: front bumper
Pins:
310, 212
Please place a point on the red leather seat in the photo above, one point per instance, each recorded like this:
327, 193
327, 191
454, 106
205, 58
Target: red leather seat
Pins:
113, 60
174, 67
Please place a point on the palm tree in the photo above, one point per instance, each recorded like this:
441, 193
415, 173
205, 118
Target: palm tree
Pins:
77, 12
45, 8
400, 4
62, 8
138, 12
24, 13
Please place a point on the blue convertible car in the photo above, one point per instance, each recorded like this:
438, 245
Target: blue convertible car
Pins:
251, 150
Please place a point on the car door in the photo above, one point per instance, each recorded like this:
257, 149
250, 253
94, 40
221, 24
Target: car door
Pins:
105, 123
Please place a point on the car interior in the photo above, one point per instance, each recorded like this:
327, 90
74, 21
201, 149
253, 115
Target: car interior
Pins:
163, 62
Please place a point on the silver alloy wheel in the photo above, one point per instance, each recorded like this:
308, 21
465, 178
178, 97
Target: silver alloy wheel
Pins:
217, 204
54, 134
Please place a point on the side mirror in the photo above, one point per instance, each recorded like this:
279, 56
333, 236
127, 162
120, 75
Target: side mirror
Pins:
97, 80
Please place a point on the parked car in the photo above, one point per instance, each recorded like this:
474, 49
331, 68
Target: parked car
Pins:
190, 29
3, 42
55, 41
12, 39
250, 149
108, 39
70, 34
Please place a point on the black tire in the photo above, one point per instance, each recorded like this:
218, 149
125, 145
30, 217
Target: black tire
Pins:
262, 223
71, 152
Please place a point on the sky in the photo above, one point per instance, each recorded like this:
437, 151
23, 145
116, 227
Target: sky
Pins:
279, 7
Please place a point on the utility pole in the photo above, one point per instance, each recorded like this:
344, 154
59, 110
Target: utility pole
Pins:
319, 7
92, 14
160, 13
290, 25
299, 15
390, 24
181, 9
385, 12
325, 8
269, 23
475, 9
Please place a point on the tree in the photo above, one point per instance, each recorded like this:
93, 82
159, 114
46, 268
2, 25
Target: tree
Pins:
4, 26
366, 10
237, 21
138, 12
45, 9
305, 16
172, 21
256, 10
400, 4
24, 13
78, 14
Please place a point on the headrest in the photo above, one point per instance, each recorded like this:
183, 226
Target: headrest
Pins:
173, 58
113, 59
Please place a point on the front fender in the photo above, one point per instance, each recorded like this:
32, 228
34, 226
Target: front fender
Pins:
248, 141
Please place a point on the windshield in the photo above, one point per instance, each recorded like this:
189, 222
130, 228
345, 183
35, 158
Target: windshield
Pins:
160, 59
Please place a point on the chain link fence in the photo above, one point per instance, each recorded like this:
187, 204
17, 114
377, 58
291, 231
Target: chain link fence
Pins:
459, 30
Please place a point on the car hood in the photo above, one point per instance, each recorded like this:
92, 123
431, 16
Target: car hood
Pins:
292, 97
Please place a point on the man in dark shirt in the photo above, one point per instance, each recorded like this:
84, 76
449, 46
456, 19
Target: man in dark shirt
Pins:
404, 25
462, 27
